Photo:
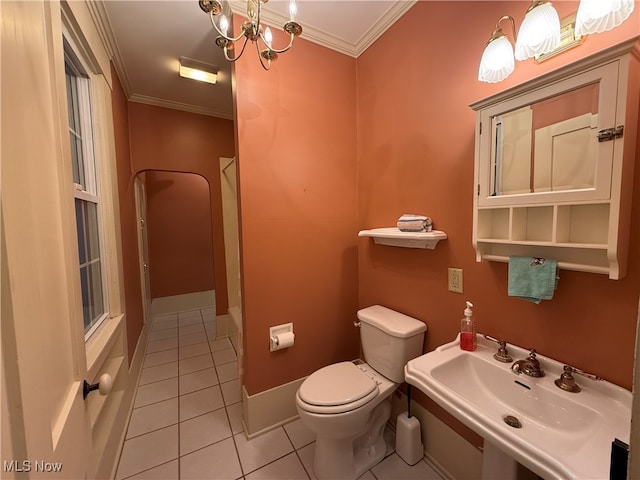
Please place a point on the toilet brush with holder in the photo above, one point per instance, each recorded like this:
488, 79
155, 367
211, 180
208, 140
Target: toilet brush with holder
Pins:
408, 435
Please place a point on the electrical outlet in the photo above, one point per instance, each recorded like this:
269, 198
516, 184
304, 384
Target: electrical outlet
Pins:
455, 280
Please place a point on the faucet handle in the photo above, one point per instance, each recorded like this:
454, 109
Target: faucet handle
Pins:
567, 382
502, 355
590, 376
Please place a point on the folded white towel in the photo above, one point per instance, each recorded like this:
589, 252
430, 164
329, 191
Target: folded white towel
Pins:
414, 223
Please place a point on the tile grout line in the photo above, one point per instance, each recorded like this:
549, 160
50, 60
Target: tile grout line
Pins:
134, 408
181, 394
295, 450
233, 435
179, 401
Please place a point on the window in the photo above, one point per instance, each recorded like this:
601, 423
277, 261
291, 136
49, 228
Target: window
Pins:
86, 194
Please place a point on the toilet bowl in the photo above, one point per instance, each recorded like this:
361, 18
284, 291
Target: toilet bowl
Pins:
348, 404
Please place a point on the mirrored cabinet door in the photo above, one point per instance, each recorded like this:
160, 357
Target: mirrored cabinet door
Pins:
554, 164
542, 146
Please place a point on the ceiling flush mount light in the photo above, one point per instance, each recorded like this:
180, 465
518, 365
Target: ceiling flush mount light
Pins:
204, 72
252, 29
539, 32
596, 16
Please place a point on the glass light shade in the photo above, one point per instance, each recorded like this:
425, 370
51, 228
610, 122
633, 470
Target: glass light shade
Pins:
497, 61
539, 32
596, 16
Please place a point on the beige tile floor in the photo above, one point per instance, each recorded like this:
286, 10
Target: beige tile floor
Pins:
187, 417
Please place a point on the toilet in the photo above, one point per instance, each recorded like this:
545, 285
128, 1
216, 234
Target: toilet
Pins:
347, 404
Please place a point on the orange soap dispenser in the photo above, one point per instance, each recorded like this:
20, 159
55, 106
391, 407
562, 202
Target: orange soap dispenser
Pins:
468, 330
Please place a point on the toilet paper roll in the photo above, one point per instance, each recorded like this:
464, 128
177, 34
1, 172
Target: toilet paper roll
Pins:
283, 340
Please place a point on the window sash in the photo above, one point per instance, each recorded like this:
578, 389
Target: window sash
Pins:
86, 195
91, 265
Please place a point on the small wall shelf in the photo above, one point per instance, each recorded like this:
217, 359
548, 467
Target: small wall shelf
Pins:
395, 238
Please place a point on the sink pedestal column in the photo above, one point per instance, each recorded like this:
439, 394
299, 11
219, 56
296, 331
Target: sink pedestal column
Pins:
497, 464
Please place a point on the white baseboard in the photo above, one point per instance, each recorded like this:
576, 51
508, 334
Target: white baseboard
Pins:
236, 336
444, 447
180, 303
267, 410
235, 327
223, 325
121, 420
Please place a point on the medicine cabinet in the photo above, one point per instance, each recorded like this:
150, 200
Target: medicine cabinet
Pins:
554, 160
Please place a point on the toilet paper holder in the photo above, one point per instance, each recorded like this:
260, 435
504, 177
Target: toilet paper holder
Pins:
281, 336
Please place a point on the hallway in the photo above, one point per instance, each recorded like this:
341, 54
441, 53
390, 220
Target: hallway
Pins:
187, 416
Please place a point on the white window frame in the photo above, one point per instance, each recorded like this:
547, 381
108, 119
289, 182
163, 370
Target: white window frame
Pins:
91, 190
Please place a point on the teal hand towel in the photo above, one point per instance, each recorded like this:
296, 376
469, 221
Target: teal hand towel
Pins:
532, 278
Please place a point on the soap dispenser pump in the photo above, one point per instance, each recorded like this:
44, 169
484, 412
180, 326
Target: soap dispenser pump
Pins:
468, 330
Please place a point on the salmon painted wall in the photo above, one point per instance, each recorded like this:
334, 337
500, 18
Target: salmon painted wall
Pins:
298, 200
180, 235
176, 141
416, 155
128, 223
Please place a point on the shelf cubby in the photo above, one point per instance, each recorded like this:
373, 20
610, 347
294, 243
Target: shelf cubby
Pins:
494, 223
582, 224
532, 224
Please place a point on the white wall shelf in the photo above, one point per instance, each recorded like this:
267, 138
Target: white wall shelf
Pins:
393, 237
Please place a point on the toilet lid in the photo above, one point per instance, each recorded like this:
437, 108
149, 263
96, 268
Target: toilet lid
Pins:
337, 384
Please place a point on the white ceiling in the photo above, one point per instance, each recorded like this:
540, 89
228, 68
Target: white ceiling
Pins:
147, 37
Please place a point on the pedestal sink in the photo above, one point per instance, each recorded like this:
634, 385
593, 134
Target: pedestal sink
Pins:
554, 433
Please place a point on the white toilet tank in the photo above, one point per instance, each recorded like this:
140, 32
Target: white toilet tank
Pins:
389, 340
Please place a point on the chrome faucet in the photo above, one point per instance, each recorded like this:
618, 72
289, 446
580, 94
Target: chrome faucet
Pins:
529, 366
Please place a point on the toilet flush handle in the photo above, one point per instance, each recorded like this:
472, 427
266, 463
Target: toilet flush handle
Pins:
356, 324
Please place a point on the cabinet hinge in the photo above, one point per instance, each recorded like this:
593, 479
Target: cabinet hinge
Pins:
480, 128
478, 192
610, 133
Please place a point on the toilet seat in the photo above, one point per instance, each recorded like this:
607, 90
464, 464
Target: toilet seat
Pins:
337, 388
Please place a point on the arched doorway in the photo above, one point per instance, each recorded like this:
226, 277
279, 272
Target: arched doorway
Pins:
180, 241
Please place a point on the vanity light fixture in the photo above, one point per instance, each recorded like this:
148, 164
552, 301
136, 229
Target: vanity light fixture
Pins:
252, 29
596, 16
541, 34
196, 70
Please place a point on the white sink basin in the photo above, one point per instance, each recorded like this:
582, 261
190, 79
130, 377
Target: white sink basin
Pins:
563, 434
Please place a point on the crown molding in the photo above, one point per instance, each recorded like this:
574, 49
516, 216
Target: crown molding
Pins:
332, 41
185, 107
101, 19
386, 21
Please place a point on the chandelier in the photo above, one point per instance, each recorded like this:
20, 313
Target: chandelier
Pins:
252, 29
